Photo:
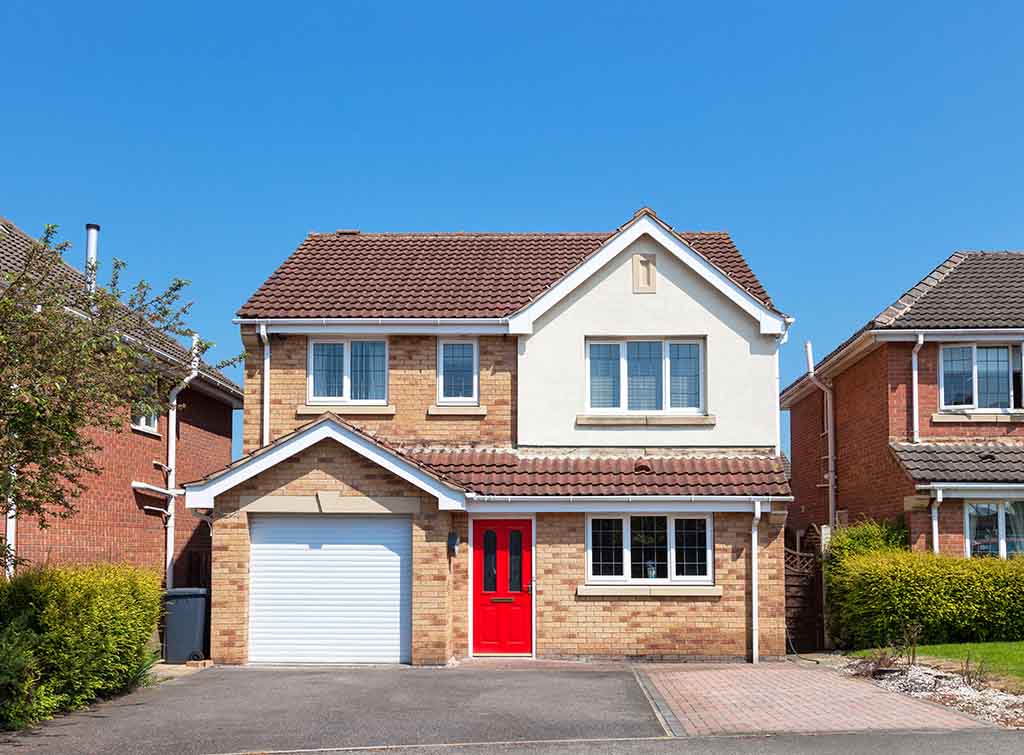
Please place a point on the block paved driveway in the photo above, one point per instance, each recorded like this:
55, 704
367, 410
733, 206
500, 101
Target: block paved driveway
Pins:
231, 710
698, 700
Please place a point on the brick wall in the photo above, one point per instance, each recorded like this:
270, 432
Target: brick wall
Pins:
331, 467
719, 627
412, 388
807, 447
870, 481
928, 388
951, 528
110, 524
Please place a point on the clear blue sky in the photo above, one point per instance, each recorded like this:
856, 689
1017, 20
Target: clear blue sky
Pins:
848, 148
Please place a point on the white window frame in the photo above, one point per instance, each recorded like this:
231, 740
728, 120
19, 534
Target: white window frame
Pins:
973, 407
346, 397
666, 388
625, 578
1000, 524
150, 423
473, 400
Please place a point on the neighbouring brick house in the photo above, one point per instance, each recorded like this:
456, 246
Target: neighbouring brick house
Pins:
924, 408
117, 519
550, 445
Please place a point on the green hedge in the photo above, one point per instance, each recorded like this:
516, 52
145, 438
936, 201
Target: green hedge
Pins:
866, 537
69, 636
877, 588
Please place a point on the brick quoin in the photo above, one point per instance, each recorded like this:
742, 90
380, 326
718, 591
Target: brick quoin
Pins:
110, 524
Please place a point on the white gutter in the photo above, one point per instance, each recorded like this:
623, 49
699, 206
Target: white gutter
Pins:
934, 334
913, 385
748, 499
651, 504
418, 321
829, 432
754, 630
984, 490
265, 408
172, 460
935, 523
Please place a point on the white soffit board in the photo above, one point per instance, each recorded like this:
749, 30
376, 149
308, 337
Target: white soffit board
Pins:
771, 323
330, 589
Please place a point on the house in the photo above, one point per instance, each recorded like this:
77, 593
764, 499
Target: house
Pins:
124, 514
919, 414
528, 444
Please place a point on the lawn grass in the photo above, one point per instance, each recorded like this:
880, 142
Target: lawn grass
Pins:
1003, 658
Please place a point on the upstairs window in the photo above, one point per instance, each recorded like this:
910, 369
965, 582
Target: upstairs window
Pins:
643, 376
458, 372
144, 419
980, 376
343, 371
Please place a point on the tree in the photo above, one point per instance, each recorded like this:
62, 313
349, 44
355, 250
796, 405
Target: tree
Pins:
74, 359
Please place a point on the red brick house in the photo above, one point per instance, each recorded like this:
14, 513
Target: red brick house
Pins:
128, 514
527, 444
919, 414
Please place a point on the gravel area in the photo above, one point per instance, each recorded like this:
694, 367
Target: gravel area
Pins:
926, 683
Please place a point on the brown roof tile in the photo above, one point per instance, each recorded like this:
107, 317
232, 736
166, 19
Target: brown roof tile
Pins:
982, 290
15, 246
509, 473
962, 462
967, 290
458, 275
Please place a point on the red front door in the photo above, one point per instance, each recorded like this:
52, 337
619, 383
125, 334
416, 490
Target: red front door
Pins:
502, 589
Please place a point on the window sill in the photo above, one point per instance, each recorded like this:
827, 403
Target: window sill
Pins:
975, 416
456, 410
650, 591
675, 420
146, 431
305, 410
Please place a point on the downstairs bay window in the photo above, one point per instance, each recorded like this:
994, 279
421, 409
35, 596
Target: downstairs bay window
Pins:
994, 529
650, 549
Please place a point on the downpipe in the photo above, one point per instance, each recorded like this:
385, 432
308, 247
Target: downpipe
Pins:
172, 462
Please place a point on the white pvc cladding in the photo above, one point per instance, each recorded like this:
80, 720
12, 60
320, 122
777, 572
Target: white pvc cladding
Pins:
201, 495
522, 322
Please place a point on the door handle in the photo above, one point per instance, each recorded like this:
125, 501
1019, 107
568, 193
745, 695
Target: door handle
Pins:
501, 600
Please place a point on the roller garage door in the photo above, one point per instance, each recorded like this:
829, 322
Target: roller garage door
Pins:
330, 589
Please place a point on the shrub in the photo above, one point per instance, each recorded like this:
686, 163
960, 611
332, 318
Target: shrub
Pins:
863, 537
875, 596
866, 537
81, 634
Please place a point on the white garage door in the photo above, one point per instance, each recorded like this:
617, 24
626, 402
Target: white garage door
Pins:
330, 589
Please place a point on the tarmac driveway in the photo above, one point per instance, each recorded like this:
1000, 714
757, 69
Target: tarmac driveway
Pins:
226, 709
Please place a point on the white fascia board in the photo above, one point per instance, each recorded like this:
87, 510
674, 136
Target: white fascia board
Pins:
771, 323
202, 495
381, 325
934, 335
655, 504
984, 490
